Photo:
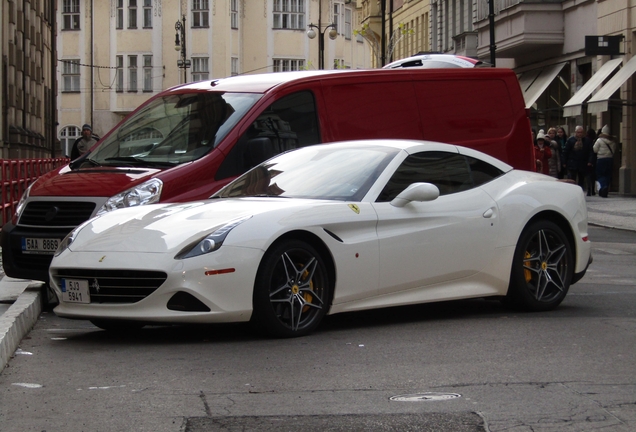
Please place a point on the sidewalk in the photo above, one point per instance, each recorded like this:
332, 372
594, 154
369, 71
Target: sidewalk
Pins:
20, 303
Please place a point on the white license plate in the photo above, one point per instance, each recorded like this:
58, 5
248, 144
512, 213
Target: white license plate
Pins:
46, 246
75, 291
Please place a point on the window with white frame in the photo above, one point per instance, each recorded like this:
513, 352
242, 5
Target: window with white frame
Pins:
120, 14
132, 14
132, 73
289, 14
68, 135
147, 13
119, 64
147, 73
200, 13
347, 24
234, 66
285, 65
71, 15
200, 69
71, 75
337, 10
234, 13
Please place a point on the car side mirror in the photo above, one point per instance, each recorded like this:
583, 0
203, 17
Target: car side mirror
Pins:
416, 192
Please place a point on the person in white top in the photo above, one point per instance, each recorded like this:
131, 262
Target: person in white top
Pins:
604, 147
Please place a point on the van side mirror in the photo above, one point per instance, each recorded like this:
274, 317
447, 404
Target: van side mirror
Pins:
416, 192
259, 150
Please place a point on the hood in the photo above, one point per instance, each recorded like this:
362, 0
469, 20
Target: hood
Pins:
163, 228
99, 181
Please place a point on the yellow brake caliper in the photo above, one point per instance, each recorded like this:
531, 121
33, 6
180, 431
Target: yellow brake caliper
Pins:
527, 273
307, 295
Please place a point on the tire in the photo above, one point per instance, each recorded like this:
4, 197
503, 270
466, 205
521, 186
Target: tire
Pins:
292, 291
542, 268
118, 326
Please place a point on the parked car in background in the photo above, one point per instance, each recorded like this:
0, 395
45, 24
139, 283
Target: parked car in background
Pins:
327, 229
435, 61
187, 142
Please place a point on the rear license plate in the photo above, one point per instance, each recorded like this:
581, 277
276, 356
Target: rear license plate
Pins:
46, 246
75, 291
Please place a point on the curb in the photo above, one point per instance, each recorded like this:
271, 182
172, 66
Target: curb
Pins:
18, 320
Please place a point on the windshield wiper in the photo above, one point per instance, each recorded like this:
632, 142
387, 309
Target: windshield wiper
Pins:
135, 161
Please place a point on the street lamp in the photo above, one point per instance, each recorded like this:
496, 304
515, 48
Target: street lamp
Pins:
180, 45
311, 34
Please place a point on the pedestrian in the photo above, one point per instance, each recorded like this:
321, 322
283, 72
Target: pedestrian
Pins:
542, 154
590, 179
83, 143
604, 148
577, 156
555, 161
561, 138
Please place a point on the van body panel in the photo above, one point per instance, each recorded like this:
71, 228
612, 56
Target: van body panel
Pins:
260, 116
105, 182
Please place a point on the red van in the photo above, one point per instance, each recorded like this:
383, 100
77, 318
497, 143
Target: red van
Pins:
187, 142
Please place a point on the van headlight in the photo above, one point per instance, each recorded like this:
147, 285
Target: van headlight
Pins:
148, 192
23, 200
212, 241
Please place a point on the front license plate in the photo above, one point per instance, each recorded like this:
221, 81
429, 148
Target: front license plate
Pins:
46, 246
75, 291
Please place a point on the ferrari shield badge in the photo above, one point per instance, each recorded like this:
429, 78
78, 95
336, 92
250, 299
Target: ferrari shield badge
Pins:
355, 208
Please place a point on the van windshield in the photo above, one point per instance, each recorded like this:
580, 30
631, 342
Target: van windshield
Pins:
173, 129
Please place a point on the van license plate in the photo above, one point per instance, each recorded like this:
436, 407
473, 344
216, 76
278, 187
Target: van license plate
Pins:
75, 291
46, 246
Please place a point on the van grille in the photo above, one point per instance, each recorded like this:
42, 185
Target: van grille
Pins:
116, 286
56, 213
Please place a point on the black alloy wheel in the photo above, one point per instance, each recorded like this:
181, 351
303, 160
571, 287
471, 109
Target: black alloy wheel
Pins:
292, 292
541, 269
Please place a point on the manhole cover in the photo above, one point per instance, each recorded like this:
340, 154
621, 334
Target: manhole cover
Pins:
428, 396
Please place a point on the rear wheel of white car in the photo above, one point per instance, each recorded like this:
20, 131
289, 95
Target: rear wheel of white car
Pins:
117, 325
541, 269
292, 291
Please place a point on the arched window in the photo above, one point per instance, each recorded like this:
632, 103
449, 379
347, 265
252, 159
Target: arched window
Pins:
68, 135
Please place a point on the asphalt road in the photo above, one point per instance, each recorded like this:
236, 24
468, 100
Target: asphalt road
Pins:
462, 366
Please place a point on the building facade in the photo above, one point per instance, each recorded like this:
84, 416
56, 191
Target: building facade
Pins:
115, 54
28, 79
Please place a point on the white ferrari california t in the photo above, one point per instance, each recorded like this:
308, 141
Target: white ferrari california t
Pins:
327, 229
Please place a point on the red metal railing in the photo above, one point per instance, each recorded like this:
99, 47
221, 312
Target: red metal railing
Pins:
17, 175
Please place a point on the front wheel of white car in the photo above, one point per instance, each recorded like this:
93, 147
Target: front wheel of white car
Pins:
541, 268
292, 291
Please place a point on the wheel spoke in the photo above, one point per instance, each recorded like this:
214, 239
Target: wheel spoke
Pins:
546, 266
297, 289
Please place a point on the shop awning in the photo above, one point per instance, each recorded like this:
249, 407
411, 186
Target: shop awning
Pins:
541, 82
572, 107
599, 101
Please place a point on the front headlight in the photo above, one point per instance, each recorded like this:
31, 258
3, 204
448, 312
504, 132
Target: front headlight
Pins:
22, 202
210, 242
146, 193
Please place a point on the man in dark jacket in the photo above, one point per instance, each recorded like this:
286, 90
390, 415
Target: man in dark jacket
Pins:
83, 143
578, 156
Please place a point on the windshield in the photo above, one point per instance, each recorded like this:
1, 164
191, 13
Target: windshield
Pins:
317, 172
173, 129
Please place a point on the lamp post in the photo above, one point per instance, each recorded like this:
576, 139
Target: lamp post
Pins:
180, 45
311, 34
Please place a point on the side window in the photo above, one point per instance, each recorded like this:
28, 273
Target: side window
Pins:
448, 171
290, 122
481, 171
